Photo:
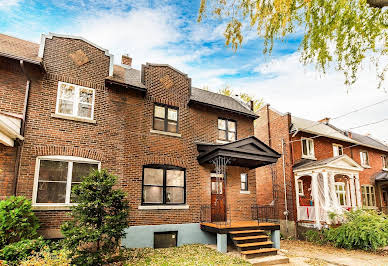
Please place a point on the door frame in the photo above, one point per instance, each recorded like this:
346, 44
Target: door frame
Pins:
214, 175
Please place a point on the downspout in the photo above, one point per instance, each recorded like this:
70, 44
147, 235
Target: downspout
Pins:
285, 186
269, 127
22, 129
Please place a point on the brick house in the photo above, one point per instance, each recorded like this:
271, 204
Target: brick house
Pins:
183, 155
325, 169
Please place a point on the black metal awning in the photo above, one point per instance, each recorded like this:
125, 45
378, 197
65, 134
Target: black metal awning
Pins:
249, 152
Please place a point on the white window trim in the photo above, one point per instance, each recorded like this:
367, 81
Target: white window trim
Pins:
362, 163
384, 159
312, 156
71, 160
341, 192
300, 185
338, 145
75, 103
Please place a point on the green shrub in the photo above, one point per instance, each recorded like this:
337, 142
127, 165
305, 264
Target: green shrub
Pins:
21, 250
362, 229
99, 219
315, 236
17, 220
48, 258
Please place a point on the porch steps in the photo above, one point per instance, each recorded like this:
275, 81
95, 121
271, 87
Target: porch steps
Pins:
255, 245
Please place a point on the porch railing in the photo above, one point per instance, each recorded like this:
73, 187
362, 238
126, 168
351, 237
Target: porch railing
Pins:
205, 215
264, 213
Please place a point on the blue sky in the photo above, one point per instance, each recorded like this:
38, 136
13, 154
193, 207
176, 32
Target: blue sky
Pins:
167, 32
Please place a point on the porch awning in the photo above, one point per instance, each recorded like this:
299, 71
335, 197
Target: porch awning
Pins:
381, 176
249, 152
9, 129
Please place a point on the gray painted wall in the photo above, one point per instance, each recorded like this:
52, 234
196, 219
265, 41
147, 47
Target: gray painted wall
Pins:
143, 236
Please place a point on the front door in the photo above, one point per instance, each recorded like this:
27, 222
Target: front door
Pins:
218, 199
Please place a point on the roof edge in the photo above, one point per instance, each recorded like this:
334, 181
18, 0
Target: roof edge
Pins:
35, 62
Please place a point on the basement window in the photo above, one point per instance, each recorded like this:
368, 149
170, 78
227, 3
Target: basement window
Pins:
165, 239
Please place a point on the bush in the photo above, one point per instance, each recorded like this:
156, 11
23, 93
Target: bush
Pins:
21, 250
17, 220
362, 229
99, 219
48, 258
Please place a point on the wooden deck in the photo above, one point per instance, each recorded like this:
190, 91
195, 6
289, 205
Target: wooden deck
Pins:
223, 228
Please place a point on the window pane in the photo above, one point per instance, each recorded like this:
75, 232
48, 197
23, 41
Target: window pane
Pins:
232, 136
243, 177
310, 147
82, 170
340, 150
85, 110
175, 178
304, 146
232, 126
173, 114
172, 127
221, 124
53, 171
243, 186
65, 107
86, 95
160, 111
174, 195
153, 194
51, 192
67, 92
159, 124
221, 135
153, 176
372, 191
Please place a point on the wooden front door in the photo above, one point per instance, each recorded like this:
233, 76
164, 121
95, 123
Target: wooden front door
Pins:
218, 210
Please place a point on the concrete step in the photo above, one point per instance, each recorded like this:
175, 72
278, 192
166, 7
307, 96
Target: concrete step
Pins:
249, 254
254, 246
250, 239
270, 260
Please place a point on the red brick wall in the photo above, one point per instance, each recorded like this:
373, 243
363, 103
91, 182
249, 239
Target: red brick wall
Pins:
7, 170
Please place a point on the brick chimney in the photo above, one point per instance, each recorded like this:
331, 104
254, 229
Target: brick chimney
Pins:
349, 134
325, 120
126, 60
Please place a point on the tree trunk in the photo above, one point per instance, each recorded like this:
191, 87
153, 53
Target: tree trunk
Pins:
378, 3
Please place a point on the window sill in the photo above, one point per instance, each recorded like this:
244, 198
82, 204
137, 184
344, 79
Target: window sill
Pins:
244, 192
51, 207
163, 207
366, 166
309, 157
153, 131
72, 118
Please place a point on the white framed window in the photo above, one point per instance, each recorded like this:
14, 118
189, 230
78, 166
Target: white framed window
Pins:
75, 101
368, 196
364, 158
338, 150
244, 182
300, 187
56, 175
227, 130
341, 193
385, 162
308, 148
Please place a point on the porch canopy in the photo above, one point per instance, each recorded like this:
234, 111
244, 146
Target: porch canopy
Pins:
9, 129
249, 152
323, 175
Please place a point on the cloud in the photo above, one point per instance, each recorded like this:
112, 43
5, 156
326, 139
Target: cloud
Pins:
7, 4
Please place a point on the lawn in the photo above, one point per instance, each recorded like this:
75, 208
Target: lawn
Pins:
184, 255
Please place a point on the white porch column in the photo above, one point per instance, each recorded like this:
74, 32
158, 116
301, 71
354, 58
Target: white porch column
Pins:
297, 197
358, 190
314, 191
326, 193
332, 189
352, 192
348, 202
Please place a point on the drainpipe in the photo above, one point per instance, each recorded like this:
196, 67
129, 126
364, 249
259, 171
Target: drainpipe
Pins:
285, 186
269, 127
22, 129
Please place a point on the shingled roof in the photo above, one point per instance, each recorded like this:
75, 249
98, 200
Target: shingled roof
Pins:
369, 141
126, 76
220, 101
19, 49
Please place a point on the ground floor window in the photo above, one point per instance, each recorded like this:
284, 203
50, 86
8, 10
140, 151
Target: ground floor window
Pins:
341, 193
56, 175
163, 184
368, 196
244, 182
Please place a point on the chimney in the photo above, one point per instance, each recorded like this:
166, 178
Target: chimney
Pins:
349, 134
325, 120
126, 60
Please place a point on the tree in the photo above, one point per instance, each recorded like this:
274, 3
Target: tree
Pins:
99, 219
340, 32
245, 97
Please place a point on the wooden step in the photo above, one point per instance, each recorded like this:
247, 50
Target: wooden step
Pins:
259, 252
254, 246
238, 238
245, 232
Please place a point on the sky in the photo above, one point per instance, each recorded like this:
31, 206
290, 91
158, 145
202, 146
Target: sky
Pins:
167, 32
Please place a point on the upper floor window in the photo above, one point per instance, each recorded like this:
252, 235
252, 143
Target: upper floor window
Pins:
56, 175
308, 148
385, 162
165, 118
163, 184
341, 193
368, 196
364, 158
338, 150
74, 100
227, 130
244, 182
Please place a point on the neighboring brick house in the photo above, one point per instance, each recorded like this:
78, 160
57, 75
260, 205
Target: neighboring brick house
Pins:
162, 137
347, 169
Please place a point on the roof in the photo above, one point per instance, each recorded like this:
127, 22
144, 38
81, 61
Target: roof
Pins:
341, 162
381, 176
19, 49
318, 128
369, 141
126, 76
220, 101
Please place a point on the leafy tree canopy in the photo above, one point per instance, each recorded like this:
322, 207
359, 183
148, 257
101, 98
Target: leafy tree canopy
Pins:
342, 32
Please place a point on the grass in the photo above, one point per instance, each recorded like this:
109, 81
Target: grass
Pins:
184, 255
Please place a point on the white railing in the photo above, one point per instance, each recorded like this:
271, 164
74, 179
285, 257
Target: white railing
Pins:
306, 213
